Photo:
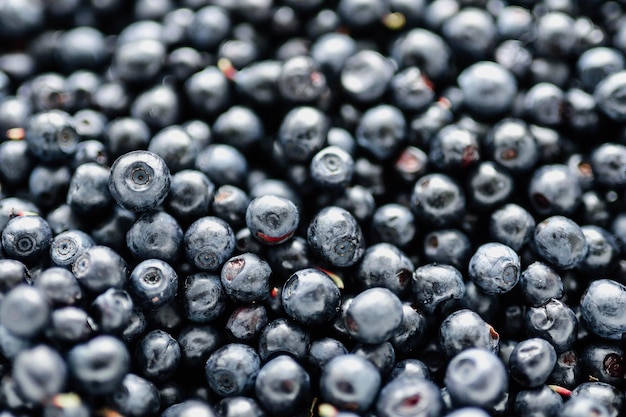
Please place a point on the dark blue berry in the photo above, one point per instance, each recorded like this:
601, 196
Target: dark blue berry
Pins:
26, 238
99, 268
232, 369
561, 242
209, 242
310, 297
203, 298
374, 316
350, 382
437, 288
282, 386
494, 268
406, 395
336, 236
155, 235
158, 355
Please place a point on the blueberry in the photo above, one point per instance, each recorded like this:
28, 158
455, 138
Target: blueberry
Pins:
138, 61
188, 408
25, 311
48, 184
336, 236
190, 196
139, 181
39, 373
303, 132
99, 365
153, 283
207, 91
366, 75
539, 283
410, 335
603, 253
425, 49
471, 34
51, 136
287, 258
283, 336
26, 238
608, 163
358, 200
567, 371
511, 145
209, 241
158, 355
232, 369
602, 392
607, 95
394, 223
350, 382
197, 342
310, 297
599, 306
245, 278
512, 225
384, 265
464, 329
136, 396
554, 34
209, 27
540, 401
222, 164
332, 49
282, 386
70, 325
476, 377
369, 325
531, 362
112, 310
407, 395
579, 407
438, 199
561, 242
12, 274
126, 134
203, 297
332, 167
448, 246
453, 149
381, 131
99, 268
437, 288
554, 322
595, 64
300, 80
489, 89
544, 103
177, 149
246, 322
59, 286
271, 219
494, 268
16, 162
111, 231
155, 235
411, 368
324, 350
553, 190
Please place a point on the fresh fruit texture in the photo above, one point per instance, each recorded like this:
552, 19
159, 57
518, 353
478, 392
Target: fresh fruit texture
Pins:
312, 208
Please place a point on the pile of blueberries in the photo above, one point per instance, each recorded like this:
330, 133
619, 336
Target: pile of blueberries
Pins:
312, 208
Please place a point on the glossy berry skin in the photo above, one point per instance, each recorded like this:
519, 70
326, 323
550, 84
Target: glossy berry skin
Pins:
155, 235
239, 406
350, 382
409, 395
303, 132
99, 365
394, 224
100, 268
410, 336
607, 162
289, 257
16, 162
538, 401
112, 310
332, 167
188, 408
282, 386
335, 235
374, 316
411, 90
448, 246
158, 355
323, 350
531, 362
283, 336
366, 75
136, 396
245, 278
232, 369
512, 225
582, 406
494, 268
488, 89
437, 199
69, 245
465, 329
476, 377
553, 190
12, 274
51, 135
539, 283
561, 242
246, 322
203, 298
208, 241
600, 307
436, 288
381, 131
384, 265
512, 146
69, 325
310, 297
89, 189
603, 254
177, 149
25, 311
197, 342
190, 196
272, 219
39, 373
153, 283
554, 322
139, 181
59, 286
453, 148
26, 238
607, 95
606, 394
